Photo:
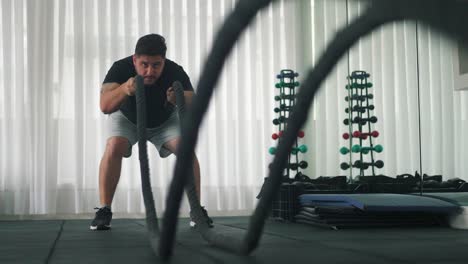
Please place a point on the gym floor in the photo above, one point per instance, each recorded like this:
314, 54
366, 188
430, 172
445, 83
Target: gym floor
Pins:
70, 241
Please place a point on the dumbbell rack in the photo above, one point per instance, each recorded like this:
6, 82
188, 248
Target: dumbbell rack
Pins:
287, 99
359, 114
285, 205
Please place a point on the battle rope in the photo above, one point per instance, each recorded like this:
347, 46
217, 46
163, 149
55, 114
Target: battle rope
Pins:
151, 216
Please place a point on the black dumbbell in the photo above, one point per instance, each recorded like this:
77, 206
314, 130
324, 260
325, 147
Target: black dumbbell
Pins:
363, 121
282, 108
344, 166
361, 109
358, 86
294, 166
280, 120
287, 74
355, 97
356, 109
365, 165
359, 75
287, 96
284, 97
359, 97
360, 120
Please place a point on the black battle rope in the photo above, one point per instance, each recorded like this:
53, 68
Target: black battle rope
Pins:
198, 216
445, 15
151, 216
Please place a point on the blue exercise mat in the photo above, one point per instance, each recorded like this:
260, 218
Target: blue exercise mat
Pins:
381, 202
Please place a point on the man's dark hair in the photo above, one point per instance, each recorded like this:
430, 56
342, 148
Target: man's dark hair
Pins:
152, 45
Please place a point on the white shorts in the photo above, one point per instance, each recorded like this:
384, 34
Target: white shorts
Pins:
120, 126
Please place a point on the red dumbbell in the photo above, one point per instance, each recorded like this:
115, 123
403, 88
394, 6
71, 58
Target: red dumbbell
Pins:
276, 136
346, 136
364, 135
300, 134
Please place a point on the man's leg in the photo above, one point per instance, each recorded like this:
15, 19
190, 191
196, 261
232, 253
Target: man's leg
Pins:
110, 168
109, 175
172, 146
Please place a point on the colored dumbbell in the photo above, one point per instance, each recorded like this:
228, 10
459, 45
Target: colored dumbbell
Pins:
361, 109
275, 136
287, 85
359, 134
280, 134
285, 107
282, 107
357, 97
359, 75
284, 97
358, 86
272, 150
289, 74
362, 165
360, 120
365, 150
356, 108
365, 165
301, 148
300, 134
363, 121
363, 97
280, 120
344, 166
287, 96
295, 166
344, 150
346, 136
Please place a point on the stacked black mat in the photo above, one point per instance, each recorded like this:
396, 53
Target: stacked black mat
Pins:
338, 211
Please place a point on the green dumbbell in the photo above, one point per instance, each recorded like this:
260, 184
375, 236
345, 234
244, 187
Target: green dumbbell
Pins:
344, 150
301, 148
365, 150
272, 150
378, 148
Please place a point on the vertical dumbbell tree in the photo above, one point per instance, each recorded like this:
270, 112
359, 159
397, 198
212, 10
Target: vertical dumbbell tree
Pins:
359, 120
286, 99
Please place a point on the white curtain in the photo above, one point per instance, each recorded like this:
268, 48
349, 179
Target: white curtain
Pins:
54, 55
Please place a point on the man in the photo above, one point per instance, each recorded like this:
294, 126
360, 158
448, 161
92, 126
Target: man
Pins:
118, 100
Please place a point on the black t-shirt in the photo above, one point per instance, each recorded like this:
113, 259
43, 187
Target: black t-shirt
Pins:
158, 109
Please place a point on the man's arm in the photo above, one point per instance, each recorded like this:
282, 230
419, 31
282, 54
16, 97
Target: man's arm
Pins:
188, 97
171, 98
113, 95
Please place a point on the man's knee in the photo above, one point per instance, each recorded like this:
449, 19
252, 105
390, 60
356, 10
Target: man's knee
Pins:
117, 146
172, 145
